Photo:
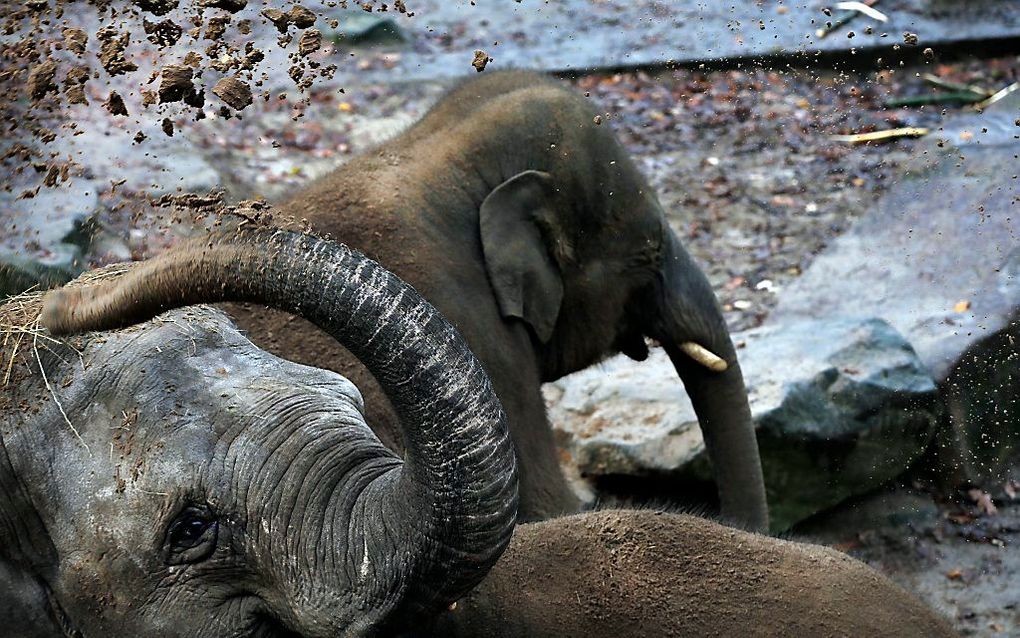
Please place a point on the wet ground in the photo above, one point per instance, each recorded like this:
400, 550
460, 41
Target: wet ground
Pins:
961, 556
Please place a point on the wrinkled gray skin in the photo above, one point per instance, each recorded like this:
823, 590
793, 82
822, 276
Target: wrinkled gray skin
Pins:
217, 490
529, 227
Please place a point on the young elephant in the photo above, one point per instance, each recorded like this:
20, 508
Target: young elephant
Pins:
171, 479
526, 224
276, 564
653, 574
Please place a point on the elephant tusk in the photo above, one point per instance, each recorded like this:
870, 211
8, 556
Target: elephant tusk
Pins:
705, 357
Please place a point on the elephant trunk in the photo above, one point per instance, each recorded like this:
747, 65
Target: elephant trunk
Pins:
692, 330
452, 504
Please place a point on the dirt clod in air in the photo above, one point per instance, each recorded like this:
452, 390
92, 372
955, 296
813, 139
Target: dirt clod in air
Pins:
115, 104
40, 79
244, 27
168, 126
910, 38
75, 40
139, 137
74, 84
51, 176
157, 7
310, 42
216, 27
111, 51
481, 60
234, 92
163, 34
175, 83
233, 6
299, 16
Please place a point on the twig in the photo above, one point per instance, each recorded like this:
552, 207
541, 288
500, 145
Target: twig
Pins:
841, 19
956, 86
42, 371
966, 97
878, 136
997, 96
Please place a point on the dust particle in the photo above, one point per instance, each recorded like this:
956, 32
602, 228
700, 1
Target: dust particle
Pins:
481, 59
75, 40
234, 92
168, 127
115, 104
139, 137
40, 79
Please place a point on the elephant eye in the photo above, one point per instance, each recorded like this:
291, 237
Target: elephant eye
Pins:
191, 536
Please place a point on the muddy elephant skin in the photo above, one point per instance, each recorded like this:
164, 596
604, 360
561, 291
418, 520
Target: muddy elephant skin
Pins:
172, 479
655, 574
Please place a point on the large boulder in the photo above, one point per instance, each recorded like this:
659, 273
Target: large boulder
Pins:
939, 258
840, 406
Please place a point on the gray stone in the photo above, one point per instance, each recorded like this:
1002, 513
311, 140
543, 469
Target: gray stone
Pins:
939, 258
840, 406
41, 240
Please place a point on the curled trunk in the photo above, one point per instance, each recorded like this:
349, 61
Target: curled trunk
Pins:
457, 489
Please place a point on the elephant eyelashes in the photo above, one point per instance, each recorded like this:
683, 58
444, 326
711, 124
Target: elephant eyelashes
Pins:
192, 535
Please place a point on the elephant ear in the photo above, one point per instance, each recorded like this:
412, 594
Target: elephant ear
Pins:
523, 272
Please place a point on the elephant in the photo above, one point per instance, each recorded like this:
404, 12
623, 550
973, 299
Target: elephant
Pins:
171, 479
524, 221
601, 573
657, 574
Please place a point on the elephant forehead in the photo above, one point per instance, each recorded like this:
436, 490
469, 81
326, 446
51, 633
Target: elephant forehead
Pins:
197, 357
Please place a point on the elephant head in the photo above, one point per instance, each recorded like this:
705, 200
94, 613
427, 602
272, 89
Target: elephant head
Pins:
577, 246
172, 479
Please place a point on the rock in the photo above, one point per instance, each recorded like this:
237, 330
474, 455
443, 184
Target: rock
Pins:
42, 242
359, 28
840, 406
939, 258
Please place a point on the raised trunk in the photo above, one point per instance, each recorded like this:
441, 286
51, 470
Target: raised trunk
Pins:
454, 499
689, 312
